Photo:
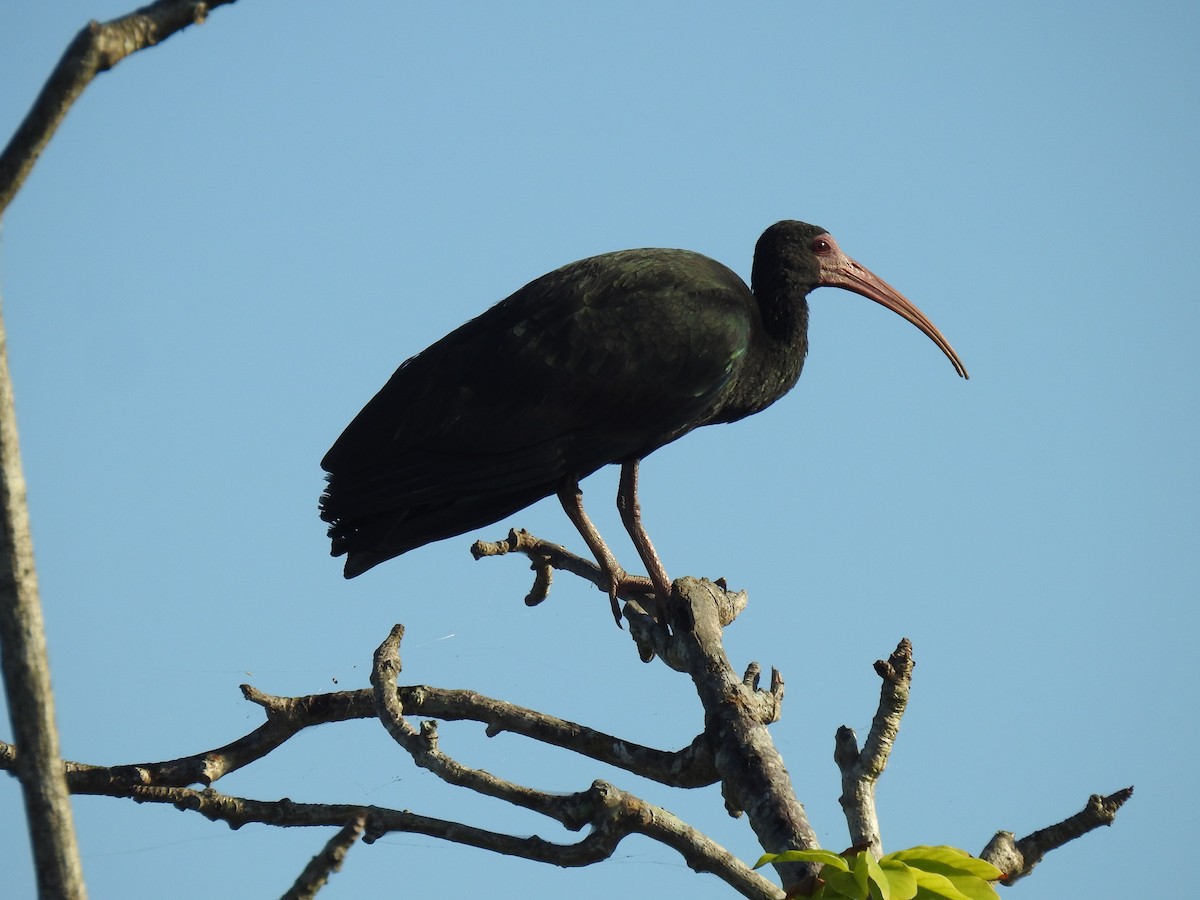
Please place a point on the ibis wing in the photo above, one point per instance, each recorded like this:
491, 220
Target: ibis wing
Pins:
600, 361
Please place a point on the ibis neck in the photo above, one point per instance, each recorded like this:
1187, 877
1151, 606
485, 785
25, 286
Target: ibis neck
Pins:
775, 357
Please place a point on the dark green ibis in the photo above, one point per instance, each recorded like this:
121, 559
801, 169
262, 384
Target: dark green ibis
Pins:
602, 361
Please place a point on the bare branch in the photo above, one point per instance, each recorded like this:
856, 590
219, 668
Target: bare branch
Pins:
610, 812
26, 670
861, 770
545, 555
422, 744
690, 767
328, 861
753, 776
613, 813
744, 761
379, 821
95, 49
1017, 858
606, 808
287, 716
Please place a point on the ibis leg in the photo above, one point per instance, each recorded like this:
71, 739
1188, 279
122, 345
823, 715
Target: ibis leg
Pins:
631, 515
571, 498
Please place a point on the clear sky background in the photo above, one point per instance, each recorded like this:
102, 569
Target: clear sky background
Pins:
238, 235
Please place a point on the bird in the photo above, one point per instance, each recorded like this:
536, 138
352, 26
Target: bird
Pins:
602, 361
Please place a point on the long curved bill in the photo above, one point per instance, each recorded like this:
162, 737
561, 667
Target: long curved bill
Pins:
839, 270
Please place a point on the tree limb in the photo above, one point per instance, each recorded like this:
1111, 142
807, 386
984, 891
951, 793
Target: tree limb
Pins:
96, 48
26, 670
1017, 858
861, 770
753, 776
422, 744
609, 810
546, 556
611, 813
287, 716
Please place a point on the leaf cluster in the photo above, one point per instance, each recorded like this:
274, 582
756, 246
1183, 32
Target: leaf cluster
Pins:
919, 873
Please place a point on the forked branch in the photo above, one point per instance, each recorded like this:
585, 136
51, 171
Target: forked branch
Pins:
609, 810
861, 770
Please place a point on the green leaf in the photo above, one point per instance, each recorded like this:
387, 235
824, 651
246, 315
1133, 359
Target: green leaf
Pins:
902, 882
975, 888
826, 892
846, 884
947, 861
932, 886
825, 857
877, 880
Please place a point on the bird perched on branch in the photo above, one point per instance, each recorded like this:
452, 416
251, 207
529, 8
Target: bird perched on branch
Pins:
602, 361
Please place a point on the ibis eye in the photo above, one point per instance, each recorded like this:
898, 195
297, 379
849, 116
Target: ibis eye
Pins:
821, 246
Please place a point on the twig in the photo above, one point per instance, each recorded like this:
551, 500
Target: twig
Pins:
422, 744
640, 609
861, 770
1017, 858
328, 861
544, 556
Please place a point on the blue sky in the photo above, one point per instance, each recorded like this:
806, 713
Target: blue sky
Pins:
237, 236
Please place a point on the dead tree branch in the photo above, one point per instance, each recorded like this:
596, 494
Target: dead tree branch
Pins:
544, 557
96, 48
325, 863
609, 810
731, 746
1017, 858
26, 670
862, 769
611, 813
754, 779
288, 716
